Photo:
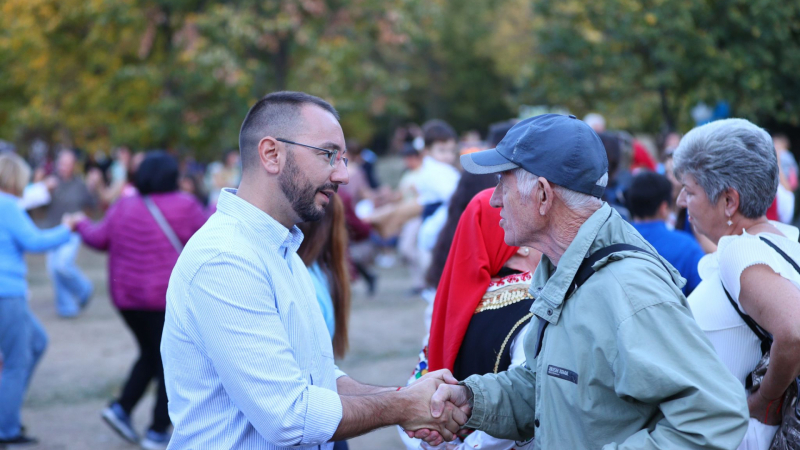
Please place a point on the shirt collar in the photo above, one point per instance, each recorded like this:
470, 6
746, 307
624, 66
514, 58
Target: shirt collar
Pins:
550, 283
271, 232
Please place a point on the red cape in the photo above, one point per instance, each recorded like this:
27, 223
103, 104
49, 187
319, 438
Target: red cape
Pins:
478, 253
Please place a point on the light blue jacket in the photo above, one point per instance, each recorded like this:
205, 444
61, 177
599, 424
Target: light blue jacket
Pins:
623, 364
18, 234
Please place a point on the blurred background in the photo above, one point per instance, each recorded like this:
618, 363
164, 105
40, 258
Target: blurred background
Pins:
89, 87
181, 74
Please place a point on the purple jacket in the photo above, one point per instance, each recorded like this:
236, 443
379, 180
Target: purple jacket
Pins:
140, 257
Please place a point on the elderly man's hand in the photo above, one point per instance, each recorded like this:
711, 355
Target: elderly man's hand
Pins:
418, 416
446, 396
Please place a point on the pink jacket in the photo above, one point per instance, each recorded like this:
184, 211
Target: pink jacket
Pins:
140, 257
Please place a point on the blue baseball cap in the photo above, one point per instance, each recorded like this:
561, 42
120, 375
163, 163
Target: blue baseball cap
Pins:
562, 149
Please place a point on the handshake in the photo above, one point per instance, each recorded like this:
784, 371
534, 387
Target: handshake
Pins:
437, 407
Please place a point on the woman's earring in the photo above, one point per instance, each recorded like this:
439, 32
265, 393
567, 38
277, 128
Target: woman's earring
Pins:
729, 221
525, 251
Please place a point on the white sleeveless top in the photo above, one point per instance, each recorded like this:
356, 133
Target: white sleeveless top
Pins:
737, 346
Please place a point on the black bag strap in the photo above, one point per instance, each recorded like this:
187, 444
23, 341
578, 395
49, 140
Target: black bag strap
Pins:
763, 335
781, 252
585, 271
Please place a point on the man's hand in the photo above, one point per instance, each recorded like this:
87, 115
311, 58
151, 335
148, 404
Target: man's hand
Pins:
443, 375
418, 415
446, 396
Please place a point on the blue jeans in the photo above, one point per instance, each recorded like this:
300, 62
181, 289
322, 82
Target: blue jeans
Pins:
22, 341
72, 288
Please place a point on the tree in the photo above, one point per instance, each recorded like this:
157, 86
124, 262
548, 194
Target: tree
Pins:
645, 63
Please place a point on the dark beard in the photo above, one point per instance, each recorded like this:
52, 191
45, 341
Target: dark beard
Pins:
300, 192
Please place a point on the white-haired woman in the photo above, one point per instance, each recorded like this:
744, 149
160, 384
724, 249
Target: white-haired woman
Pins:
22, 338
729, 174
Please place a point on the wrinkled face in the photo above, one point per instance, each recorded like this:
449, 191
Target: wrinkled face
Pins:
707, 218
518, 216
444, 151
65, 166
307, 179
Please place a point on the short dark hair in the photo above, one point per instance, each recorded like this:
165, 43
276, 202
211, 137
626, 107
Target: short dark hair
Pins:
648, 190
437, 130
497, 131
157, 173
274, 115
613, 146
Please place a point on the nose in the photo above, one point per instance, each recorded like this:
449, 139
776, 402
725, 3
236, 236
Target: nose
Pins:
497, 199
681, 201
339, 174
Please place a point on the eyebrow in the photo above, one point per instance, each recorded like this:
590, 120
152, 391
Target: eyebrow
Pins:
332, 146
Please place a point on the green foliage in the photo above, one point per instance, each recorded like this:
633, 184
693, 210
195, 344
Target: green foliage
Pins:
646, 62
181, 74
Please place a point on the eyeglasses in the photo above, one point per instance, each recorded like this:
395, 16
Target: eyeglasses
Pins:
331, 154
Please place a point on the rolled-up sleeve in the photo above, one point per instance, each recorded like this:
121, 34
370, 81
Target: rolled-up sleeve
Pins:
241, 331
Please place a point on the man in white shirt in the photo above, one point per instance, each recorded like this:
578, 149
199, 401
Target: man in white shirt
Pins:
248, 362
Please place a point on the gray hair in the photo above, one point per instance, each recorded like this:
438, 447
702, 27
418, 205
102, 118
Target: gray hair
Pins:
573, 199
731, 153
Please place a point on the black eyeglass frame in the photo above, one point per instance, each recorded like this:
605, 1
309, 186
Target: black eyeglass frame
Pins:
332, 154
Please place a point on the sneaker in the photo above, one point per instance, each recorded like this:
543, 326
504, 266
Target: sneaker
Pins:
154, 440
18, 441
119, 420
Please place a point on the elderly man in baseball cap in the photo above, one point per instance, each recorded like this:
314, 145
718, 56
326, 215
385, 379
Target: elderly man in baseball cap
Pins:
614, 358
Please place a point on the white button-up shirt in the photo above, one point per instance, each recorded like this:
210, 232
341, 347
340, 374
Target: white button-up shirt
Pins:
248, 361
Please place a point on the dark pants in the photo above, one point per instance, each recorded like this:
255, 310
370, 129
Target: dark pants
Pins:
146, 327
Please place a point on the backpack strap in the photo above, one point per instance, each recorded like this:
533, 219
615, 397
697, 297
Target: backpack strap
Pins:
585, 271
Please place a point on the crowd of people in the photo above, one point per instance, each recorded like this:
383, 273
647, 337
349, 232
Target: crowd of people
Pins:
585, 288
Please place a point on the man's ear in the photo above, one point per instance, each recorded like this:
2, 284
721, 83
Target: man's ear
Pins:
270, 154
545, 194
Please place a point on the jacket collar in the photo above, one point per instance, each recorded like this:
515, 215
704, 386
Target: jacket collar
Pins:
603, 228
550, 283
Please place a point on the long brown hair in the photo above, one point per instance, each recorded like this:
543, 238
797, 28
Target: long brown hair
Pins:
325, 242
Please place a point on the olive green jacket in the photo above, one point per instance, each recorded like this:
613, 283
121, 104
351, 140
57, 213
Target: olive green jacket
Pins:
623, 364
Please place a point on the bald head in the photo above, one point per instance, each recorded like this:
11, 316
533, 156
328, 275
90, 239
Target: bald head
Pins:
277, 115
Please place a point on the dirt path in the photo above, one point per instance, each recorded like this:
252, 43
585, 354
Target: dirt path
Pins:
89, 357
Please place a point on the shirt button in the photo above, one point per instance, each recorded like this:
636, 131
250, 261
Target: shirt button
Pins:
536, 423
549, 312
